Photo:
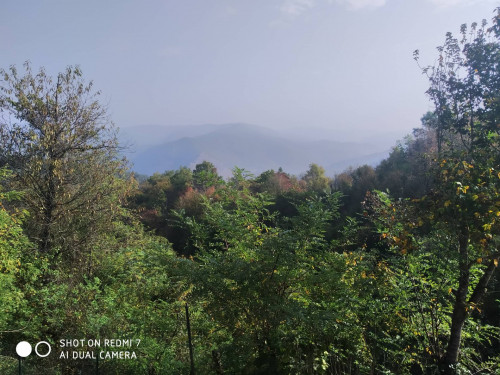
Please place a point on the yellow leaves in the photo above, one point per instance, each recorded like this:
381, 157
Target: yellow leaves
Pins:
467, 165
472, 306
495, 262
447, 203
462, 189
479, 260
383, 266
487, 227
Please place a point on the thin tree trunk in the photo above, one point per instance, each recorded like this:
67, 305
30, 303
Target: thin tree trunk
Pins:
460, 311
190, 343
480, 289
460, 307
48, 211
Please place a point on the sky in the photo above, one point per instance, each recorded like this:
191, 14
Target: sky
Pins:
345, 66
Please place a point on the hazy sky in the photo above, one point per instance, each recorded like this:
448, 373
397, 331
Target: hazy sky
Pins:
343, 64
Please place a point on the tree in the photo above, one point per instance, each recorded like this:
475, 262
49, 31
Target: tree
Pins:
61, 146
276, 183
405, 173
205, 176
315, 178
465, 204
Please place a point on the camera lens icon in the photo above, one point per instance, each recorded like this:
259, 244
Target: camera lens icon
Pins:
42, 349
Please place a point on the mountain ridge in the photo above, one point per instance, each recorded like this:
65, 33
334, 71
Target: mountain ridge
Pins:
254, 148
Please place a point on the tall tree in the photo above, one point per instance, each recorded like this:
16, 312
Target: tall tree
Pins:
61, 146
465, 87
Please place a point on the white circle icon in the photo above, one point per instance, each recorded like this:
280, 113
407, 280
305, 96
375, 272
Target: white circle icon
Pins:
23, 349
36, 349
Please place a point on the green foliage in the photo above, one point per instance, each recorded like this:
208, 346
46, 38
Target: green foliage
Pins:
13, 245
276, 297
315, 178
427, 271
132, 289
205, 176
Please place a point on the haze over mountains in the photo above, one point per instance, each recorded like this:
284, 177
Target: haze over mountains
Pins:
155, 148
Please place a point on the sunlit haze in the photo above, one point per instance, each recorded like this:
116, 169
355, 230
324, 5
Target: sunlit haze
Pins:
345, 65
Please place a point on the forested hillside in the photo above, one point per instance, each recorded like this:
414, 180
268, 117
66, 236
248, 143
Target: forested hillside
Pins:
385, 270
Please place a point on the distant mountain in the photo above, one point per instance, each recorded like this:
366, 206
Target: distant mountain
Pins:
140, 138
251, 147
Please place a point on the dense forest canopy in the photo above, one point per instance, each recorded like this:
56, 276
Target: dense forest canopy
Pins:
385, 270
